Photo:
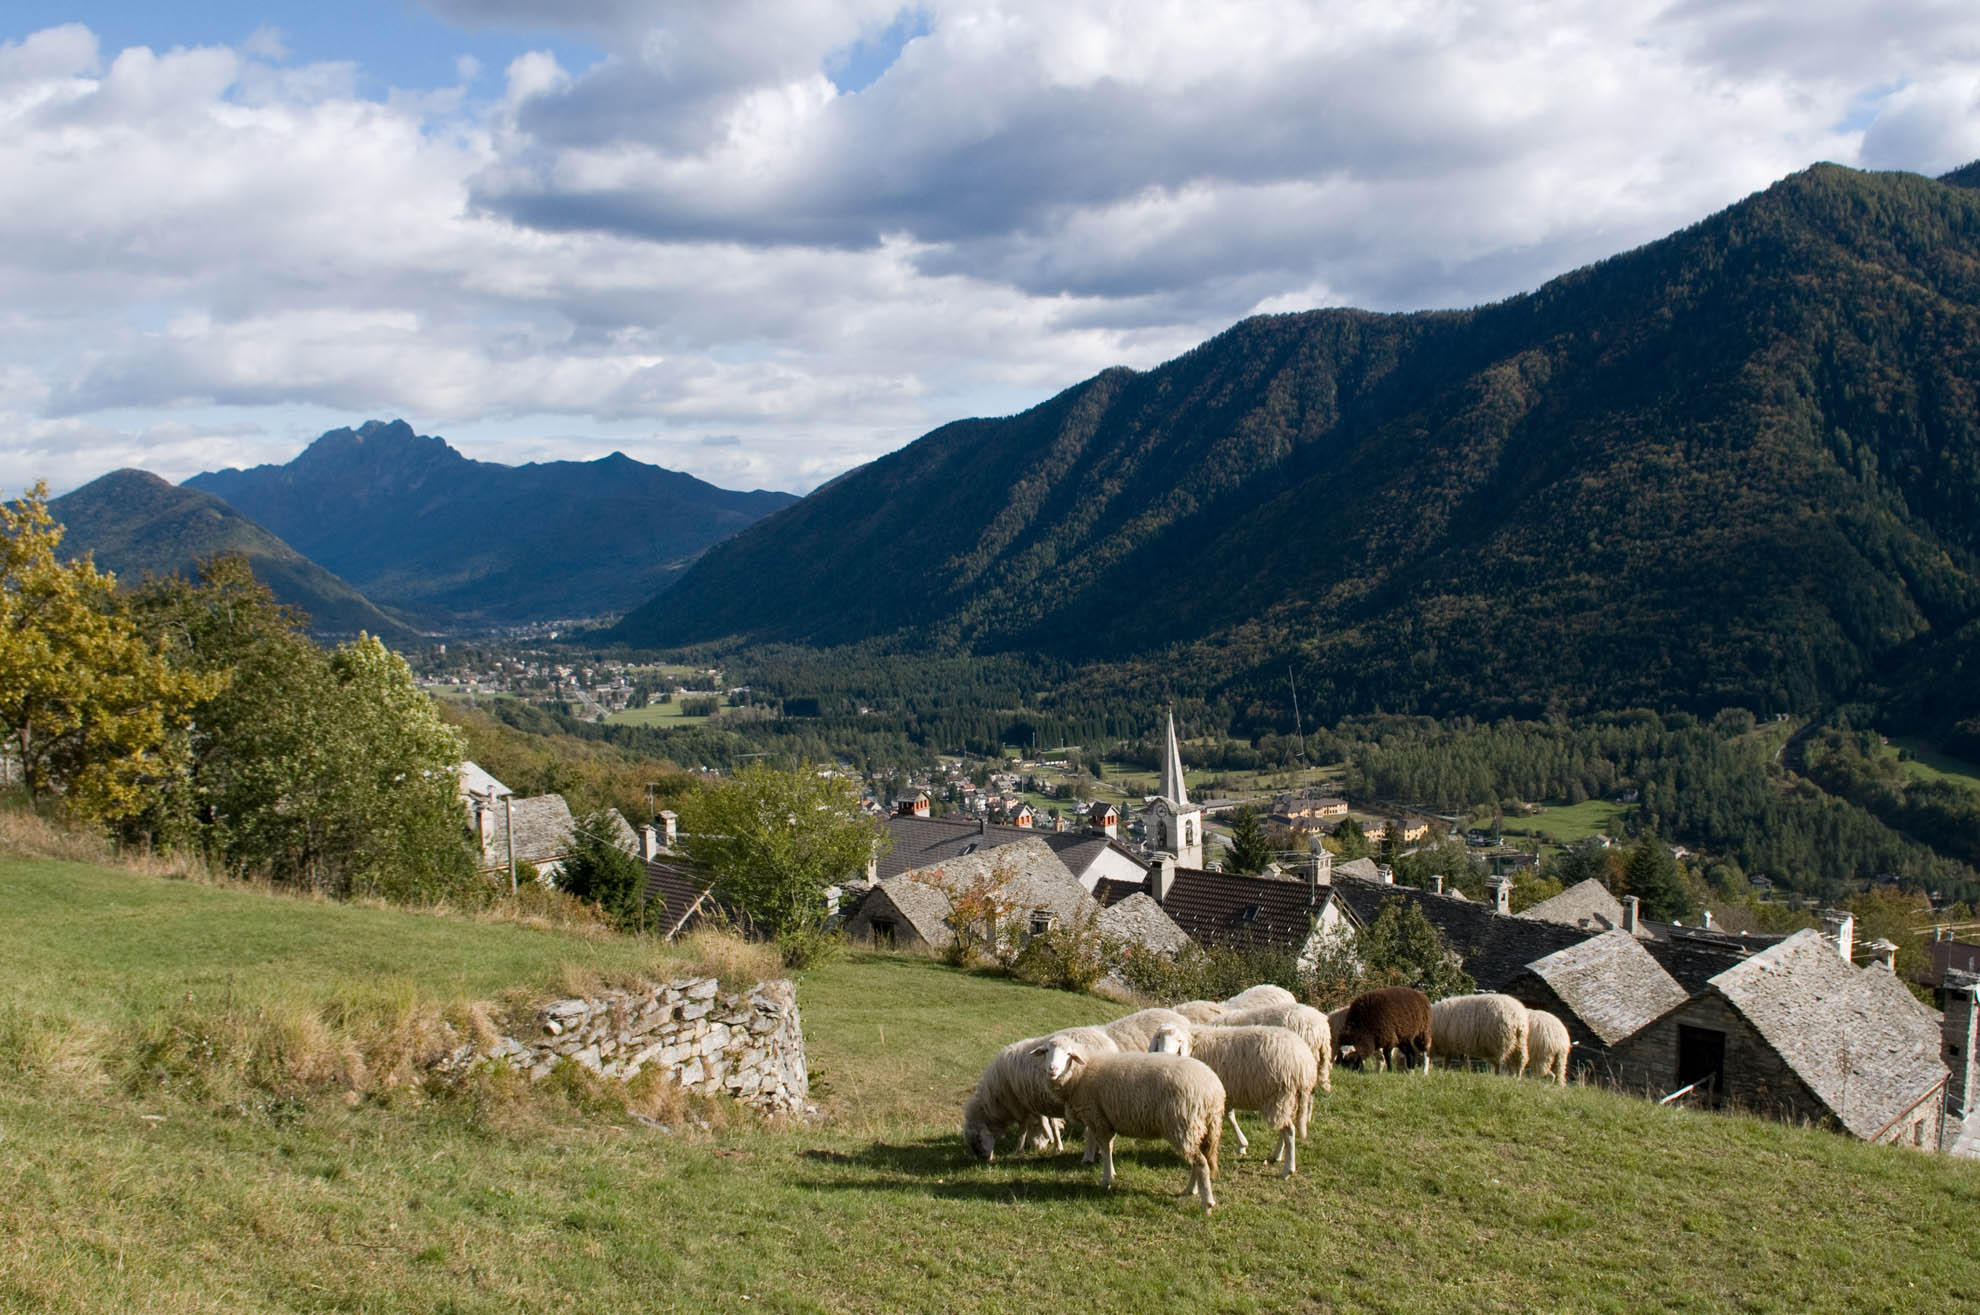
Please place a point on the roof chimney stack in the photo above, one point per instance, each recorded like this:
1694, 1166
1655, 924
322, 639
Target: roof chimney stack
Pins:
1319, 871
1161, 876
1386, 874
1959, 1034
1437, 883
1630, 906
1708, 920
1501, 896
1884, 952
1840, 927
649, 842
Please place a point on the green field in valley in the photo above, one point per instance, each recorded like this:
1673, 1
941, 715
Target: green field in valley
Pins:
1925, 763
1563, 824
1455, 1192
654, 714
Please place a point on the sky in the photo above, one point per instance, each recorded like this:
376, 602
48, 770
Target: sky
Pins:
763, 241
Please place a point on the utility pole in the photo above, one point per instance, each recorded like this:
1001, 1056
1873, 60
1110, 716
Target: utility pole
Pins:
509, 825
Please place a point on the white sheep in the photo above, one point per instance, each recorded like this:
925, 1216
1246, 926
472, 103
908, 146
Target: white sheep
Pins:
1267, 1069
1308, 1022
1168, 1097
1201, 1011
1131, 1033
1547, 1046
1014, 1090
1255, 997
1487, 1027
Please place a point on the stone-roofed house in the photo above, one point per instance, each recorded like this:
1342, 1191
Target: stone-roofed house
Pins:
1605, 989
920, 842
1798, 1032
1587, 905
543, 828
909, 908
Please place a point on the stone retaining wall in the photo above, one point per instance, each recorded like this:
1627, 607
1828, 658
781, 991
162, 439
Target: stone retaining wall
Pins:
748, 1045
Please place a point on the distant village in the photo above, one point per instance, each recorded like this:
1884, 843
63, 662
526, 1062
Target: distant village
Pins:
1812, 1027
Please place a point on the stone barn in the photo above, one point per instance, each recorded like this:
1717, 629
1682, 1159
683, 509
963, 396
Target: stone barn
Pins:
1606, 989
1798, 1032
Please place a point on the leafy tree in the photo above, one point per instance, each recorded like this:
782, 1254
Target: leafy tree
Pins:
1349, 841
981, 912
330, 770
90, 706
1250, 851
1402, 948
599, 871
775, 839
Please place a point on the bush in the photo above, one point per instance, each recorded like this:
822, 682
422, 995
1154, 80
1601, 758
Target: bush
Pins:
802, 947
1070, 958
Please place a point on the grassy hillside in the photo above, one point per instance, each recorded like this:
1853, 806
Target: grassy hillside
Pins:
1455, 1192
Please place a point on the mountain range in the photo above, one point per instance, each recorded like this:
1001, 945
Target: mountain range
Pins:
1737, 466
134, 523
418, 527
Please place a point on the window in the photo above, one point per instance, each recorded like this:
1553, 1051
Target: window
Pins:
1189, 833
1041, 922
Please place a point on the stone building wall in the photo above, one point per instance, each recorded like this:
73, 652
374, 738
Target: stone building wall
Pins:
1754, 1078
749, 1045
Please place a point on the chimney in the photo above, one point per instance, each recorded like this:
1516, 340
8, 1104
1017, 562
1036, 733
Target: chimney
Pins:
484, 822
669, 824
1161, 876
1841, 928
1884, 952
1501, 895
649, 842
983, 825
1437, 883
1386, 874
1708, 920
1958, 1035
1630, 905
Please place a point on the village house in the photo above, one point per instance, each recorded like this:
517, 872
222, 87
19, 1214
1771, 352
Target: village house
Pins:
1605, 990
1797, 1031
912, 908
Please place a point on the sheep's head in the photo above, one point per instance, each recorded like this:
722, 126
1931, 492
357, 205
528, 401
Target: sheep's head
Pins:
1061, 1058
1170, 1040
981, 1140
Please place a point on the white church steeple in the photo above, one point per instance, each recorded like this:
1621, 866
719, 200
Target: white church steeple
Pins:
1172, 823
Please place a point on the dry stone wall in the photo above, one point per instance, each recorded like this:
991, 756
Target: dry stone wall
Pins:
749, 1045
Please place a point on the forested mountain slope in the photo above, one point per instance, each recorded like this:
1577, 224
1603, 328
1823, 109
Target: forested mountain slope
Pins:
1740, 465
135, 523
418, 526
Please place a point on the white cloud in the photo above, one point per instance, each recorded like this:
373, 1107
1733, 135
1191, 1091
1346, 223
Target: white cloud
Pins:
701, 238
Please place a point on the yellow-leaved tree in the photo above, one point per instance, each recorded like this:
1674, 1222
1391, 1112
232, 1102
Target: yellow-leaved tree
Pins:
91, 708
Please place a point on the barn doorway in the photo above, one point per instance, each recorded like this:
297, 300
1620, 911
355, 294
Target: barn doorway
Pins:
1701, 1059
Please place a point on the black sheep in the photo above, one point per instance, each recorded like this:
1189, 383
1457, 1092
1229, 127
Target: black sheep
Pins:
1396, 1017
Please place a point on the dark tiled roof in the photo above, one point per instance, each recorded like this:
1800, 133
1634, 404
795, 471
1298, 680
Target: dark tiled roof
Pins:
1110, 891
1222, 908
1856, 1036
682, 892
1693, 955
1952, 954
1495, 948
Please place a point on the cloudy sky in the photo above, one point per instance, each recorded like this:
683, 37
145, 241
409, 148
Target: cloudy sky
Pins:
765, 240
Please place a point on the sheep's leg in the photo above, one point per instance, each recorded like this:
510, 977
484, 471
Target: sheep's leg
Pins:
1106, 1140
1286, 1144
1238, 1132
1201, 1172
1091, 1148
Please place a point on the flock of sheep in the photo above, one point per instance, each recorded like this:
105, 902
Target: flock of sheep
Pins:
1176, 1075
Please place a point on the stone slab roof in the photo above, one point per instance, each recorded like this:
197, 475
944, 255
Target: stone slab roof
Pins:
1139, 920
1611, 983
1036, 877
1856, 1036
921, 842
1587, 905
543, 830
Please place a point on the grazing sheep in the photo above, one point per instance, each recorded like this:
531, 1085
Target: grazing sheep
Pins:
1013, 1090
1393, 1018
1255, 997
1267, 1069
1547, 1046
1201, 1011
1132, 1032
1168, 1097
1487, 1027
1308, 1022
